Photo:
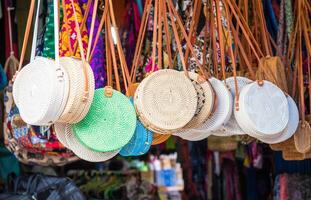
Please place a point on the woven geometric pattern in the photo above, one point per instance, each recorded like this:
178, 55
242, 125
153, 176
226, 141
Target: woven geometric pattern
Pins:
206, 99
82, 151
109, 124
166, 99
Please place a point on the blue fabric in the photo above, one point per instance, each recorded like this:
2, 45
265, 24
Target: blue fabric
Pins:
140, 7
3, 78
283, 166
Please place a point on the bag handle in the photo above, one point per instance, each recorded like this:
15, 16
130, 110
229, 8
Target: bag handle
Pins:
77, 27
154, 34
141, 35
195, 19
11, 63
26, 36
92, 30
35, 33
117, 42
167, 35
86, 13
100, 27
221, 40
173, 13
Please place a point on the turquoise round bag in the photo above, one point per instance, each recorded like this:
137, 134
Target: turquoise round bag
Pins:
140, 142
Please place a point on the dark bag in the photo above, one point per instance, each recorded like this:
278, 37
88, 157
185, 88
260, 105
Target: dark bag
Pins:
40, 187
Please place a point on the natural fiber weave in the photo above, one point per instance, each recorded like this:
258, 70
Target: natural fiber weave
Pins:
263, 109
206, 101
232, 127
222, 144
166, 99
140, 142
41, 91
291, 126
223, 109
77, 106
273, 70
82, 151
60, 129
159, 138
302, 137
109, 124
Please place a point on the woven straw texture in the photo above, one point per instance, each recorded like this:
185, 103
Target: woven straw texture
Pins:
206, 100
302, 137
273, 70
291, 126
109, 124
193, 136
140, 142
223, 109
159, 138
77, 107
263, 109
60, 133
41, 86
222, 144
82, 151
232, 127
166, 99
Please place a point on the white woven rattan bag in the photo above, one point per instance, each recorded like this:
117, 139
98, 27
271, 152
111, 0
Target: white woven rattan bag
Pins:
262, 110
232, 127
221, 114
41, 87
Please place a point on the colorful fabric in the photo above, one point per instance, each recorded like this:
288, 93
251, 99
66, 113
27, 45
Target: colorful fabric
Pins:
71, 38
48, 41
97, 60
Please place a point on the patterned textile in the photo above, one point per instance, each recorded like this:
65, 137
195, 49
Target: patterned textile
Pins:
48, 41
97, 60
71, 39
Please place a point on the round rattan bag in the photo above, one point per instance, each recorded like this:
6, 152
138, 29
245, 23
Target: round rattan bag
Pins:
80, 93
232, 127
110, 123
82, 151
40, 91
166, 99
291, 126
263, 110
140, 142
206, 100
221, 112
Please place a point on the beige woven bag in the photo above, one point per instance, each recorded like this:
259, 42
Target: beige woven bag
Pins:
81, 90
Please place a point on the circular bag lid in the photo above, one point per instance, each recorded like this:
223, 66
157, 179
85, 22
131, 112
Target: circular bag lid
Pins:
291, 126
166, 99
232, 127
78, 102
140, 142
206, 100
82, 151
109, 124
40, 90
263, 109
